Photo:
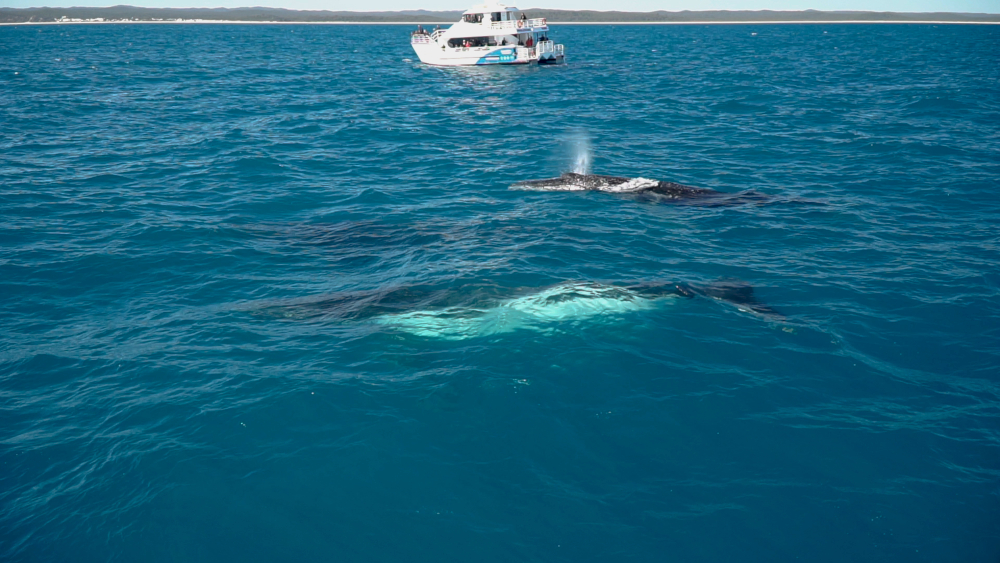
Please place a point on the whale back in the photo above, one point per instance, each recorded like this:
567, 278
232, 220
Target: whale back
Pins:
675, 190
574, 181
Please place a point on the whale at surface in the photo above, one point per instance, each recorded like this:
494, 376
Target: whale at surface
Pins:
668, 191
567, 302
473, 312
539, 311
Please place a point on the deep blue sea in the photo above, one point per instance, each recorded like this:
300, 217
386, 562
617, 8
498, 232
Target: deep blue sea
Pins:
266, 294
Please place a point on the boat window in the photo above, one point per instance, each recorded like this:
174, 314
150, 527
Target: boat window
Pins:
473, 18
472, 42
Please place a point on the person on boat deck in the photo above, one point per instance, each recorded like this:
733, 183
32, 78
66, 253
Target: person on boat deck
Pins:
529, 42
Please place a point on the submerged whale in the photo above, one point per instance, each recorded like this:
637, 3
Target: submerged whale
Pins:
733, 291
484, 311
574, 182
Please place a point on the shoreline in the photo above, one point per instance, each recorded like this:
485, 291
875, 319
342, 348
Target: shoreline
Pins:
769, 22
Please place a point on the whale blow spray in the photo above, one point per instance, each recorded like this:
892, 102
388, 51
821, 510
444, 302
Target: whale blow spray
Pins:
580, 149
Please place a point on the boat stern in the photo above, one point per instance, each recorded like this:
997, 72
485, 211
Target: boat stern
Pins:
549, 53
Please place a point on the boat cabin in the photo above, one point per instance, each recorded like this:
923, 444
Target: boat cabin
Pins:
491, 13
491, 33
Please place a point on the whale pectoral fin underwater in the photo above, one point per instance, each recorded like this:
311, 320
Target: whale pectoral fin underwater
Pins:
354, 305
735, 292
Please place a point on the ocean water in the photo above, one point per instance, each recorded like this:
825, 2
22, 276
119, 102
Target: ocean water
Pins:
266, 295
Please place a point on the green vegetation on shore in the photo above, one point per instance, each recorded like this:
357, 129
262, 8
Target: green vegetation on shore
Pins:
132, 13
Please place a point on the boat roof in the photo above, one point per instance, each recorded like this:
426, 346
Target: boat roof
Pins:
490, 7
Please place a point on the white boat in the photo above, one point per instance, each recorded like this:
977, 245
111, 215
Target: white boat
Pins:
488, 34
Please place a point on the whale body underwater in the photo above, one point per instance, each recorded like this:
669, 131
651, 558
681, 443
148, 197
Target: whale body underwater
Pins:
659, 190
484, 310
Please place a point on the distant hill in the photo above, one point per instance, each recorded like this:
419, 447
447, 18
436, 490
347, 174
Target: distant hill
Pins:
132, 13
755, 16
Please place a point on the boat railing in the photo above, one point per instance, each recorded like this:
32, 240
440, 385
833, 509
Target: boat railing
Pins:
518, 25
550, 48
437, 34
420, 38
525, 53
